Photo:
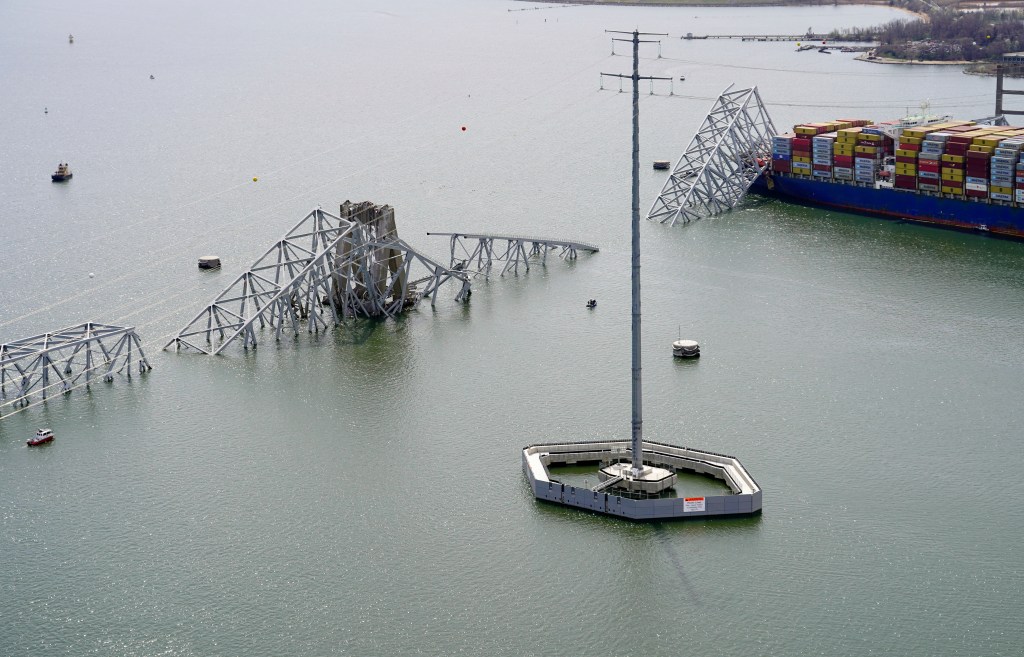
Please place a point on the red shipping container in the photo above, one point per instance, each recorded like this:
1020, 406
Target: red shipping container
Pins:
909, 147
781, 166
798, 153
842, 160
822, 167
976, 193
923, 165
978, 155
802, 143
906, 182
903, 159
955, 149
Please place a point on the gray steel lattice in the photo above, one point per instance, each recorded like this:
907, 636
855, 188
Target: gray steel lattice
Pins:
325, 269
726, 155
478, 252
59, 361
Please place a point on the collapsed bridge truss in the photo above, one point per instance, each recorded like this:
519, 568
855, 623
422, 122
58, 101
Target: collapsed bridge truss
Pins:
726, 155
478, 252
325, 269
59, 361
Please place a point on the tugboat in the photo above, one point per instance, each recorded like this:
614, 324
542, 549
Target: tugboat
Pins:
62, 173
42, 437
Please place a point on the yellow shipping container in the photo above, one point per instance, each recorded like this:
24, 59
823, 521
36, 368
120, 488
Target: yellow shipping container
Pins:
988, 141
910, 140
839, 149
906, 168
954, 159
903, 153
948, 189
869, 137
1000, 190
977, 148
800, 158
919, 133
952, 174
867, 150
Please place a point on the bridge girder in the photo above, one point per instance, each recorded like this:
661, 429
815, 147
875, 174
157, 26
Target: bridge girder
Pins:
326, 269
726, 155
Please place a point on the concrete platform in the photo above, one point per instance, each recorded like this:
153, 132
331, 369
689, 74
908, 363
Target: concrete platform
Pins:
744, 500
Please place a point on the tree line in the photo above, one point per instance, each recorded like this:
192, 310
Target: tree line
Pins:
947, 35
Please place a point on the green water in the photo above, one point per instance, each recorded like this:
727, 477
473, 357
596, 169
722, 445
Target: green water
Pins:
360, 493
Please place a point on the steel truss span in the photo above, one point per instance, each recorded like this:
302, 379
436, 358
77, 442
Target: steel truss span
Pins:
59, 361
726, 155
326, 269
477, 253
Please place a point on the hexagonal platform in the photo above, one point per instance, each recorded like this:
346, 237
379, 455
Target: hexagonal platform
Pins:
622, 493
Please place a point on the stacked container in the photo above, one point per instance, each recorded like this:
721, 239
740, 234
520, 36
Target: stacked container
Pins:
953, 166
868, 156
929, 163
1018, 193
802, 162
1003, 170
958, 158
782, 152
821, 154
843, 152
979, 154
907, 150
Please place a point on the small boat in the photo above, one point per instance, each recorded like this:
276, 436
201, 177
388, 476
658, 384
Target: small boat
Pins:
42, 437
682, 78
592, 303
62, 173
662, 164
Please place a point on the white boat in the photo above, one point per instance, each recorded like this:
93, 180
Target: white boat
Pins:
42, 437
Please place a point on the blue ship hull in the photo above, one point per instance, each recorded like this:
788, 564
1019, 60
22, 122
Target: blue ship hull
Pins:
904, 205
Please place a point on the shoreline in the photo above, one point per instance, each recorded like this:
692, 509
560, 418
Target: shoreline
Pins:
916, 62
742, 4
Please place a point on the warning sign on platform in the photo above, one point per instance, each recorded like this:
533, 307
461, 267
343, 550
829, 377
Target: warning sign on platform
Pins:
691, 504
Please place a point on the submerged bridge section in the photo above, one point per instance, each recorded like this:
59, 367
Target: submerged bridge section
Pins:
724, 158
326, 269
32, 369
480, 252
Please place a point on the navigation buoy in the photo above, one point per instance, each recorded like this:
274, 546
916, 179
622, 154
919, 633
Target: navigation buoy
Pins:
685, 349
91, 274
463, 128
254, 178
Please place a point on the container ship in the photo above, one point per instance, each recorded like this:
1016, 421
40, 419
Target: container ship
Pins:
953, 173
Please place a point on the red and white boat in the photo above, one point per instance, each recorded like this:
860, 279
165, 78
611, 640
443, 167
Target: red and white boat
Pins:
42, 437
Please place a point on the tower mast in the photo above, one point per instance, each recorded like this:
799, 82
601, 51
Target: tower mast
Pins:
637, 387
